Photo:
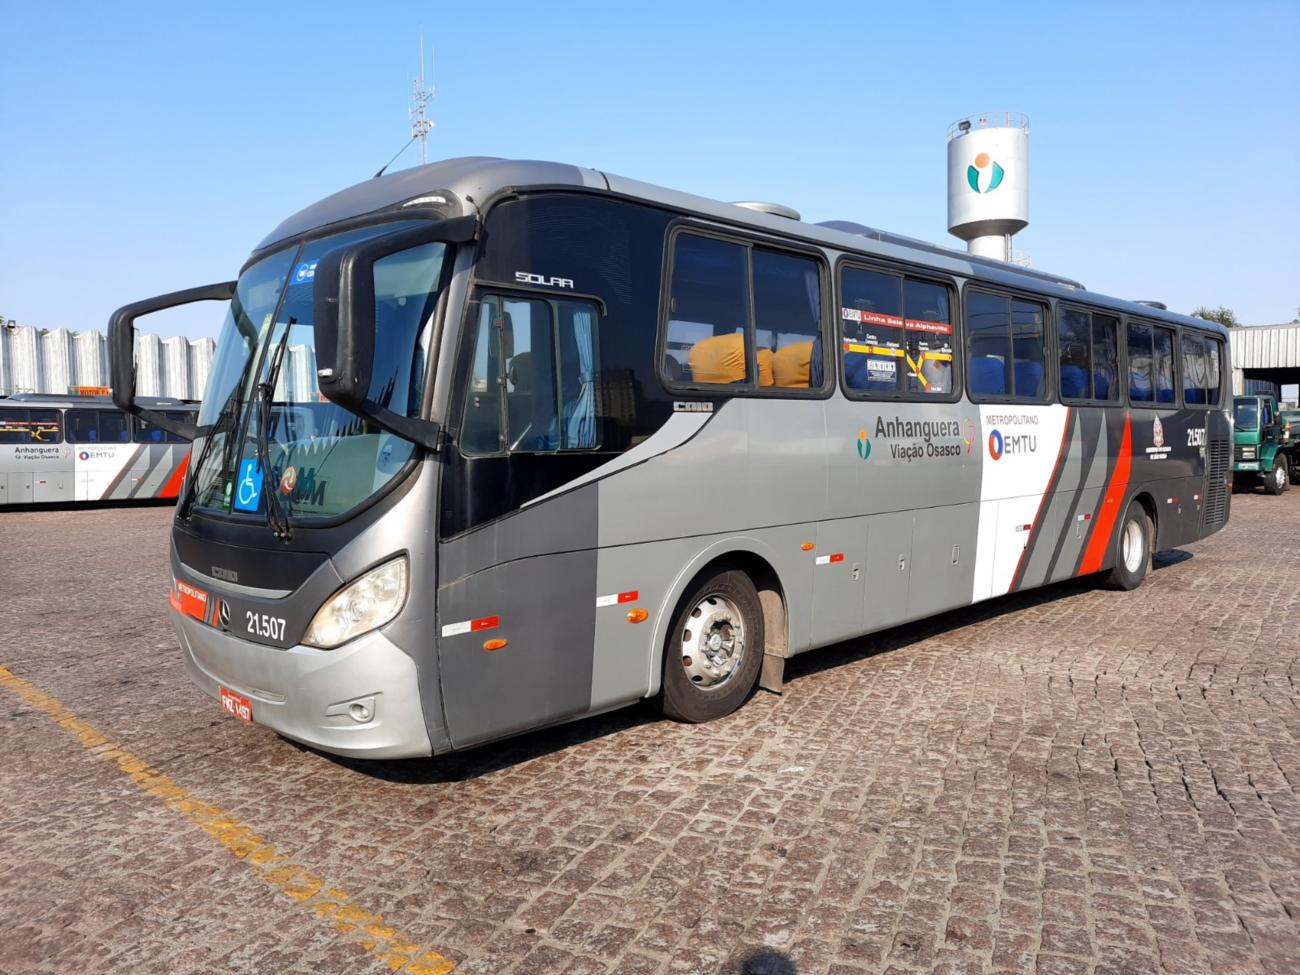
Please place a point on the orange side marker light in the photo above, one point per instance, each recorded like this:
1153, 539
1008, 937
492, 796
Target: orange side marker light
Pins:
807, 546
637, 615
495, 644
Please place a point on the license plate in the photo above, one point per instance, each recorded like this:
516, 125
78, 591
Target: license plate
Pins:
1248, 465
237, 705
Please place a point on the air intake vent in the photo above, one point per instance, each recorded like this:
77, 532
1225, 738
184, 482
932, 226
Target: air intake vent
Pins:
1153, 304
1215, 512
775, 209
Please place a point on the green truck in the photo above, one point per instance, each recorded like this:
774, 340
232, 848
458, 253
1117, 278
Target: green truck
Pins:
1266, 443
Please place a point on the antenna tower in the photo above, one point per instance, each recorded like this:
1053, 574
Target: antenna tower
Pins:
420, 98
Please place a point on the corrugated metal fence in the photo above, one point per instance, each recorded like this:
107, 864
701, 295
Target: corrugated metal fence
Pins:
32, 362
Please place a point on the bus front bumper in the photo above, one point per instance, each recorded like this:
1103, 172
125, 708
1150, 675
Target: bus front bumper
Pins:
309, 695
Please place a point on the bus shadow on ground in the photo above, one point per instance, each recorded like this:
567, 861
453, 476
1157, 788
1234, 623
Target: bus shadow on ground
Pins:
495, 756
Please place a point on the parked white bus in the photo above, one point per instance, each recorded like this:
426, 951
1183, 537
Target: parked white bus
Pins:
63, 449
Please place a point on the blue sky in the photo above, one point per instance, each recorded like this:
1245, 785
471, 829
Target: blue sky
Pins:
147, 148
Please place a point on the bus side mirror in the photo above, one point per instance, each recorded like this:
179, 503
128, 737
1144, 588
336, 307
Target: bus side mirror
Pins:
121, 350
344, 322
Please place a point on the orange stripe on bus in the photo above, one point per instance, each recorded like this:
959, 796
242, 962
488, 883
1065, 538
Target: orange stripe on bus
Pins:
1099, 541
173, 485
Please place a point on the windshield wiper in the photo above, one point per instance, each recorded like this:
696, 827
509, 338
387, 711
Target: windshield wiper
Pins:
226, 416
277, 518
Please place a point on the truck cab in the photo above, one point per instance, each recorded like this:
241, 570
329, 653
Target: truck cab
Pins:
1266, 444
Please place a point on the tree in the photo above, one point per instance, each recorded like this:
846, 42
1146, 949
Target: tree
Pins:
1224, 316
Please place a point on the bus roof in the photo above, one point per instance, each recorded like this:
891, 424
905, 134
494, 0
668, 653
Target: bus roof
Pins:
468, 184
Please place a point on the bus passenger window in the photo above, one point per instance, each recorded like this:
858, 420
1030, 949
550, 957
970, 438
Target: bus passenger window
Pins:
1162, 362
30, 427
1201, 378
82, 426
708, 321
988, 324
1074, 344
1027, 345
787, 316
1105, 358
871, 317
927, 323
1141, 389
1213, 382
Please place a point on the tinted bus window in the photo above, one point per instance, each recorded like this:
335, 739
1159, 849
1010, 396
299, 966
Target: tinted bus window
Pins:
1028, 337
1087, 347
988, 326
1201, 364
549, 380
1074, 348
927, 322
871, 316
97, 426
1140, 386
30, 426
787, 319
1162, 364
708, 340
1006, 346
1105, 358
146, 432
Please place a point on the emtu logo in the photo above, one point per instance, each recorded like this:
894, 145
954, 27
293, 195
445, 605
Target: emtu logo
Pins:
984, 169
1014, 443
995, 445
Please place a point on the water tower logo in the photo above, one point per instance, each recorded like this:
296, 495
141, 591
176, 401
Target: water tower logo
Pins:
984, 169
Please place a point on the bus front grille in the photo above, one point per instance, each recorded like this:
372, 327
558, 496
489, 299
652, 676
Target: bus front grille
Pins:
1215, 512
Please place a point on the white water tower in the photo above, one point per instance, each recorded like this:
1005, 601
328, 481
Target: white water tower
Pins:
988, 181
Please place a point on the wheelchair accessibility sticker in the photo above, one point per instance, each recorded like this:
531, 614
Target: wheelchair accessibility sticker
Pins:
248, 487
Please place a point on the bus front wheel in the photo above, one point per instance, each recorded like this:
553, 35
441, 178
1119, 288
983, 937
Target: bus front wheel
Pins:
714, 650
1132, 549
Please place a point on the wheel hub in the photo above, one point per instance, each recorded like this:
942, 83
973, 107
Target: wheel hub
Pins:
713, 642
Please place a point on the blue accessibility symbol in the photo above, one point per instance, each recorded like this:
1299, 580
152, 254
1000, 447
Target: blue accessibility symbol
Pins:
248, 488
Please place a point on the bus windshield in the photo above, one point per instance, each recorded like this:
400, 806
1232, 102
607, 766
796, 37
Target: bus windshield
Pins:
1246, 414
324, 460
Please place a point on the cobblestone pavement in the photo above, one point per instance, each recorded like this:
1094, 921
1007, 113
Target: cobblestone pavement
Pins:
1066, 781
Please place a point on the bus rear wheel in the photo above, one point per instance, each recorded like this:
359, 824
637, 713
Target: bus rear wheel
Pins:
1132, 549
1275, 481
714, 650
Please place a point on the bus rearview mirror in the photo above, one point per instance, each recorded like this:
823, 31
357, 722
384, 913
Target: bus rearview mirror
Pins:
344, 322
121, 350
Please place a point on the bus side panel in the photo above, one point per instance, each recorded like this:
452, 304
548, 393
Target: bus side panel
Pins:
528, 579
1057, 539
1024, 449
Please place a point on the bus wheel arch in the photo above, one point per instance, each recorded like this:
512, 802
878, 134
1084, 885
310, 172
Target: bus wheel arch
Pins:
717, 559
1148, 503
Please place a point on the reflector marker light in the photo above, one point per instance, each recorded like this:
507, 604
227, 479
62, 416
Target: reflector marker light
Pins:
1171, 500
828, 559
491, 645
1196, 497
472, 626
1085, 517
807, 546
637, 615
614, 598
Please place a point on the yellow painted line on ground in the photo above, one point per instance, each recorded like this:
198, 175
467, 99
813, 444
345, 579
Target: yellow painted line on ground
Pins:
330, 904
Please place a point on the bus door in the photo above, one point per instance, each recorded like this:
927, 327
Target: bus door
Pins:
516, 608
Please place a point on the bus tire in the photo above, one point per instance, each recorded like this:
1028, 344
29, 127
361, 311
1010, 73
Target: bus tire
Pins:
714, 649
1132, 549
1275, 482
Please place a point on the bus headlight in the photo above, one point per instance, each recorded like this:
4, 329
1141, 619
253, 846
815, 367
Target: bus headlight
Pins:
359, 607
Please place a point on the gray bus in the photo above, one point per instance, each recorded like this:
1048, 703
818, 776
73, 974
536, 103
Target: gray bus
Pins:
490, 445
